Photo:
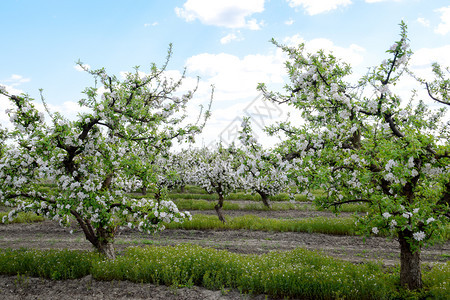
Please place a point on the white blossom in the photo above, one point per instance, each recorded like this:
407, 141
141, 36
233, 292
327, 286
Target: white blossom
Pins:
419, 236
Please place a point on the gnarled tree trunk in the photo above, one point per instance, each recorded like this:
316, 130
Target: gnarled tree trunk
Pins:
218, 208
144, 191
265, 199
410, 272
107, 249
102, 239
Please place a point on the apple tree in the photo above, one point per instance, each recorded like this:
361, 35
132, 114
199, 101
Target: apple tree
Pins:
88, 160
263, 171
216, 172
360, 143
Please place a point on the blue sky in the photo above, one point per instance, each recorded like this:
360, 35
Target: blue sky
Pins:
224, 42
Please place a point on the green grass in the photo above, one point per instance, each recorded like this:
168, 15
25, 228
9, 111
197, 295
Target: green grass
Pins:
296, 274
235, 196
192, 204
338, 226
201, 204
22, 217
53, 264
438, 280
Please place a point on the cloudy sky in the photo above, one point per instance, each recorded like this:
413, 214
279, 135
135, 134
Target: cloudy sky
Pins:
226, 43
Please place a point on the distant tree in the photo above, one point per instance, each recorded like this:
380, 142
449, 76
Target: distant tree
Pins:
263, 171
359, 144
88, 159
216, 172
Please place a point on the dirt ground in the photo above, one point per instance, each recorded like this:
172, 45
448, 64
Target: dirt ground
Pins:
49, 235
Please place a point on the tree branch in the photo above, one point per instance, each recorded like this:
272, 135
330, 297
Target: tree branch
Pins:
434, 98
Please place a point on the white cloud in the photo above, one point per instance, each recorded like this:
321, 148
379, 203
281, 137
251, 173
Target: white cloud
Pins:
314, 7
229, 38
423, 58
150, 24
352, 55
377, 1
444, 27
16, 80
230, 14
236, 78
289, 22
424, 22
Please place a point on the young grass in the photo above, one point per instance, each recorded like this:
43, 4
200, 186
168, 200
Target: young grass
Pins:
437, 281
53, 264
191, 204
22, 217
201, 204
339, 226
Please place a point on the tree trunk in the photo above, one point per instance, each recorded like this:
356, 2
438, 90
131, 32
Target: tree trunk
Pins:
158, 195
218, 208
144, 190
182, 189
265, 199
100, 238
410, 272
107, 249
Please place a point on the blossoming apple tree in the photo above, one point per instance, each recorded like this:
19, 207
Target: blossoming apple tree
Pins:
88, 160
360, 144
263, 171
216, 172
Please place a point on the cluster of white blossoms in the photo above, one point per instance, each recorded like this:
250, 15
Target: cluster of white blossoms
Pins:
264, 172
216, 172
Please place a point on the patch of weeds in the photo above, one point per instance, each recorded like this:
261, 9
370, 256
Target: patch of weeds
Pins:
21, 281
297, 273
224, 291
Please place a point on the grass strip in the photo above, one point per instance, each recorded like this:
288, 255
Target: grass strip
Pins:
338, 226
297, 273
201, 204
335, 226
52, 264
235, 196
22, 217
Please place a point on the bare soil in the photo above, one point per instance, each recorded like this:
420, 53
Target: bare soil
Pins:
49, 235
